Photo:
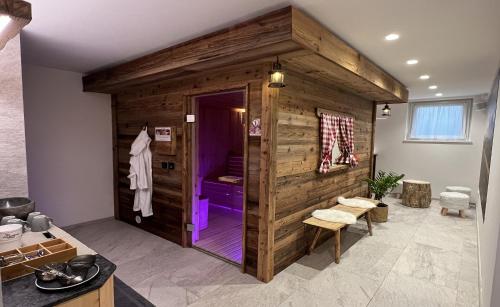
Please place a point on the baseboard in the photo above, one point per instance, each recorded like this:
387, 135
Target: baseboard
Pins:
69, 227
479, 264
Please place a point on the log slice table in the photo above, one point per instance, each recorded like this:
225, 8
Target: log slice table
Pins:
416, 193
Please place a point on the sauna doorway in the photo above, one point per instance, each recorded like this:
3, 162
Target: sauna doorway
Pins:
218, 174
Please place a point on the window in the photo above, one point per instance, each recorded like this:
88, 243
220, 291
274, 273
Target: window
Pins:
439, 121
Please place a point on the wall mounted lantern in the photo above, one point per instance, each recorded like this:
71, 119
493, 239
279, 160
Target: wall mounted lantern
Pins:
386, 111
276, 75
14, 15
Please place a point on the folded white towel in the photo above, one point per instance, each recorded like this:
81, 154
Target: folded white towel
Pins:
336, 216
356, 203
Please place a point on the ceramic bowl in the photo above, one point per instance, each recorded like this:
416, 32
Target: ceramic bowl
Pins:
88, 260
80, 265
20, 207
10, 232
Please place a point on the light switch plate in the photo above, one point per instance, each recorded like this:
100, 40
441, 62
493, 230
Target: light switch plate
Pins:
190, 118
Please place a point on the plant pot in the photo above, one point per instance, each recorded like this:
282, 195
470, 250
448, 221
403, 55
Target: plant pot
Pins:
379, 213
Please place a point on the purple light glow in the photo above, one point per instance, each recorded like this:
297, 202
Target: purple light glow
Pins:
226, 207
223, 236
220, 138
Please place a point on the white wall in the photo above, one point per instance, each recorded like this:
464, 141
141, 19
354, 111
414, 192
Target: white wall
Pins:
13, 180
488, 232
69, 146
441, 164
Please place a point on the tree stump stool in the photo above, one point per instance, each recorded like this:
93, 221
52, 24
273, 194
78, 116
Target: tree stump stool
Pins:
416, 193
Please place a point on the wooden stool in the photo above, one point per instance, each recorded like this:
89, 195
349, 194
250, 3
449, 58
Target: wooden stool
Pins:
461, 213
454, 200
416, 193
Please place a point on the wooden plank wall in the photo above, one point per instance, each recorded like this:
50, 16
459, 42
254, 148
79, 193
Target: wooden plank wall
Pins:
300, 188
251, 219
161, 104
267, 198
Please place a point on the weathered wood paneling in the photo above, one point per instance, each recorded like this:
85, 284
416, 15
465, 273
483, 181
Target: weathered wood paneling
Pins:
300, 188
163, 104
131, 114
282, 32
267, 199
257, 38
311, 34
284, 186
253, 188
21, 13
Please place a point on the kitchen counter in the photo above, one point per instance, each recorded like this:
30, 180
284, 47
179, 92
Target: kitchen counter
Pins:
22, 291
30, 238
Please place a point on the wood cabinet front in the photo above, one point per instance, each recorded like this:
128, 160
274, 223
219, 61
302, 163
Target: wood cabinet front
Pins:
102, 297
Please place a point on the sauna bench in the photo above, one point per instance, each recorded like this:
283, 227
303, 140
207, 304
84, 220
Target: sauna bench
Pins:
97, 293
224, 194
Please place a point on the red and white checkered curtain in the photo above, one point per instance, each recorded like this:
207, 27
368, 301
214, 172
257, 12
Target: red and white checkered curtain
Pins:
329, 132
346, 142
336, 128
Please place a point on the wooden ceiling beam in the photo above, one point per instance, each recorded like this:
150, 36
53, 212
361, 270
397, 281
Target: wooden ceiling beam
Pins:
112, 82
284, 32
16, 8
266, 35
319, 68
20, 15
312, 35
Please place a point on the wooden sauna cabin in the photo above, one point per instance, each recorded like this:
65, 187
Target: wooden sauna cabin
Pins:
280, 182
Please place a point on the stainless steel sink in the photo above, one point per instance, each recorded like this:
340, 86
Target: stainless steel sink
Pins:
20, 207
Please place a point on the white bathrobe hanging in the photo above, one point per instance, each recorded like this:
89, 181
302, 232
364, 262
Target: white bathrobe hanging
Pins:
140, 176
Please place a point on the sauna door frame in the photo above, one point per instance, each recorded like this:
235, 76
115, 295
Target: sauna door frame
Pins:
190, 146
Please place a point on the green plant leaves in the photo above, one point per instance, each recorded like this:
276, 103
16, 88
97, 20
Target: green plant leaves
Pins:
383, 183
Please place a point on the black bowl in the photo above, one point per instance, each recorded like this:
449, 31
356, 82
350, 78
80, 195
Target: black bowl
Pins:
20, 207
87, 260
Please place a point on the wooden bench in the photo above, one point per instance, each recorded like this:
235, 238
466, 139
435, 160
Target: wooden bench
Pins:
337, 227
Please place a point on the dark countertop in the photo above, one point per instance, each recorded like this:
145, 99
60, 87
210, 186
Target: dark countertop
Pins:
22, 291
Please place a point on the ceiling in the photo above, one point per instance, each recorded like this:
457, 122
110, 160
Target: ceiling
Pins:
456, 42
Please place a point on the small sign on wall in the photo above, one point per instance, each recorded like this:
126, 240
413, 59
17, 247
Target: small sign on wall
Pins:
254, 129
163, 134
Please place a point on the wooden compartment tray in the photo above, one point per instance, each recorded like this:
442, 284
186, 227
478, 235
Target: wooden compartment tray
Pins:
56, 250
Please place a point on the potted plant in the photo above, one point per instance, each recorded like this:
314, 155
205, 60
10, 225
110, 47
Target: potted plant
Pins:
379, 187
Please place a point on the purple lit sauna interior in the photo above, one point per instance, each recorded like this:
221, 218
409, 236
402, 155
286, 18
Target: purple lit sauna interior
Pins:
218, 201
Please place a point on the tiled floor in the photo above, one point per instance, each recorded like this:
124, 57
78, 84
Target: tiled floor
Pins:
224, 233
418, 258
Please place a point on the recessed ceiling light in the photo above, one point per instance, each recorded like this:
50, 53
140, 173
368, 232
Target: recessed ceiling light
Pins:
424, 77
433, 87
439, 94
4, 21
412, 62
391, 37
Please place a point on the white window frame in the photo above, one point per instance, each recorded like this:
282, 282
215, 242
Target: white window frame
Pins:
466, 124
